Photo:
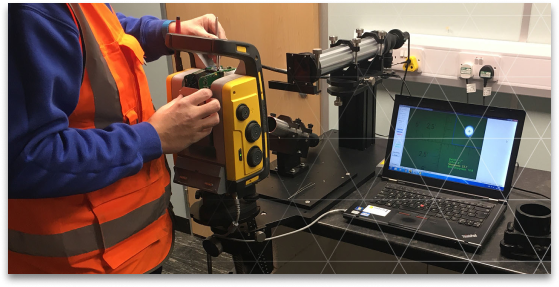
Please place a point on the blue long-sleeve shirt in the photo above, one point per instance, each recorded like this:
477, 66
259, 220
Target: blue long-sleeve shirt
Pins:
46, 158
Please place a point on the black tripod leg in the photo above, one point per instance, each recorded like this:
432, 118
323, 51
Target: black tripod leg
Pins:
209, 261
253, 258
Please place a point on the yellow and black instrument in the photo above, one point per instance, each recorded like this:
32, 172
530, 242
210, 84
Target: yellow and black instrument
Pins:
234, 157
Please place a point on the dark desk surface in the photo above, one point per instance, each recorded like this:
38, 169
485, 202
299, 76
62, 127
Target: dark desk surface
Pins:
485, 260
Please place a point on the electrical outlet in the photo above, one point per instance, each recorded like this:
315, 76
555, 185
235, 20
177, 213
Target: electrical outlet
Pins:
400, 55
480, 60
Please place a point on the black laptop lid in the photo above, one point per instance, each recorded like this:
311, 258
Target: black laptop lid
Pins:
456, 146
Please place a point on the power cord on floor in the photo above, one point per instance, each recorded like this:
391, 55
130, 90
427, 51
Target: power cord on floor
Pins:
285, 234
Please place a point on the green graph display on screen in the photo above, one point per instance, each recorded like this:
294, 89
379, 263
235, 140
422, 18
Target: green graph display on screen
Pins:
438, 142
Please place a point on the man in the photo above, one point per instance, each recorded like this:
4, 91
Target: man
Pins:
88, 183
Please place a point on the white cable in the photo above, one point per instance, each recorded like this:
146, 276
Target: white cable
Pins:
285, 234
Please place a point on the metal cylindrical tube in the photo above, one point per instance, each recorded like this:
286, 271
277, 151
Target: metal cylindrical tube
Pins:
281, 128
341, 56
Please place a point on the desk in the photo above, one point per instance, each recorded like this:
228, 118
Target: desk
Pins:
486, 260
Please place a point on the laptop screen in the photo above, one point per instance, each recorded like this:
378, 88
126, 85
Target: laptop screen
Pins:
461, 148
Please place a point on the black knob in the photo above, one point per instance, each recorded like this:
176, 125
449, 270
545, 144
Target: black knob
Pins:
242, 112
314, 140
253, 131
254, 156
213, 246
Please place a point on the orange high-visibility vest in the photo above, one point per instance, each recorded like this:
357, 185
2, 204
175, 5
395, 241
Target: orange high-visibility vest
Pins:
125, 227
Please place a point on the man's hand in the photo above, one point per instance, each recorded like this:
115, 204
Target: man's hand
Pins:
203, 26
185, 120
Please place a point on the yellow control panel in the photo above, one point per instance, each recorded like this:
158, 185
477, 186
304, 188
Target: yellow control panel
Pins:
242, 127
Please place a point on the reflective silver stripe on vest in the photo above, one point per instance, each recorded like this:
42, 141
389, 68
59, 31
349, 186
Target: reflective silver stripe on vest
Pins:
89, 238
105, 91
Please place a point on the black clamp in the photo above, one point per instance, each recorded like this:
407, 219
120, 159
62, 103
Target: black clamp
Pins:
375, 36
346, 42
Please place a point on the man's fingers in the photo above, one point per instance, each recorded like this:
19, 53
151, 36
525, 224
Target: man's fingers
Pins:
209, 25
208, 108
203, 33
199, 97
210, 122
221, 32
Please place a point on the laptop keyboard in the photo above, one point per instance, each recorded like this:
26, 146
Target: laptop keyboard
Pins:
462, 211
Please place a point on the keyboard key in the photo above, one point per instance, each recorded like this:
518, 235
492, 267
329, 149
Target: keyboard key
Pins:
482, 214
476, 224
483, 209
469, 223
454, 218
471, 214
439, 215
485, 205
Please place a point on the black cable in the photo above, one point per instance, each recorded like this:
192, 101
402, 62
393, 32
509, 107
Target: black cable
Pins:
407, 66
484, 85
528, 191
532, 192
277, 70
404, 83
387, 91
467, 94
282, 71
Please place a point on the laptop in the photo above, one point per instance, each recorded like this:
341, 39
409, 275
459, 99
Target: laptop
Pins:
447, 173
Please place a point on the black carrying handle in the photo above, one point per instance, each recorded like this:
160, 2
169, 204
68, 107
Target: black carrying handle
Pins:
228, 48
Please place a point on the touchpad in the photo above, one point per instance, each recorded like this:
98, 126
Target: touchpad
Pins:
409, 221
